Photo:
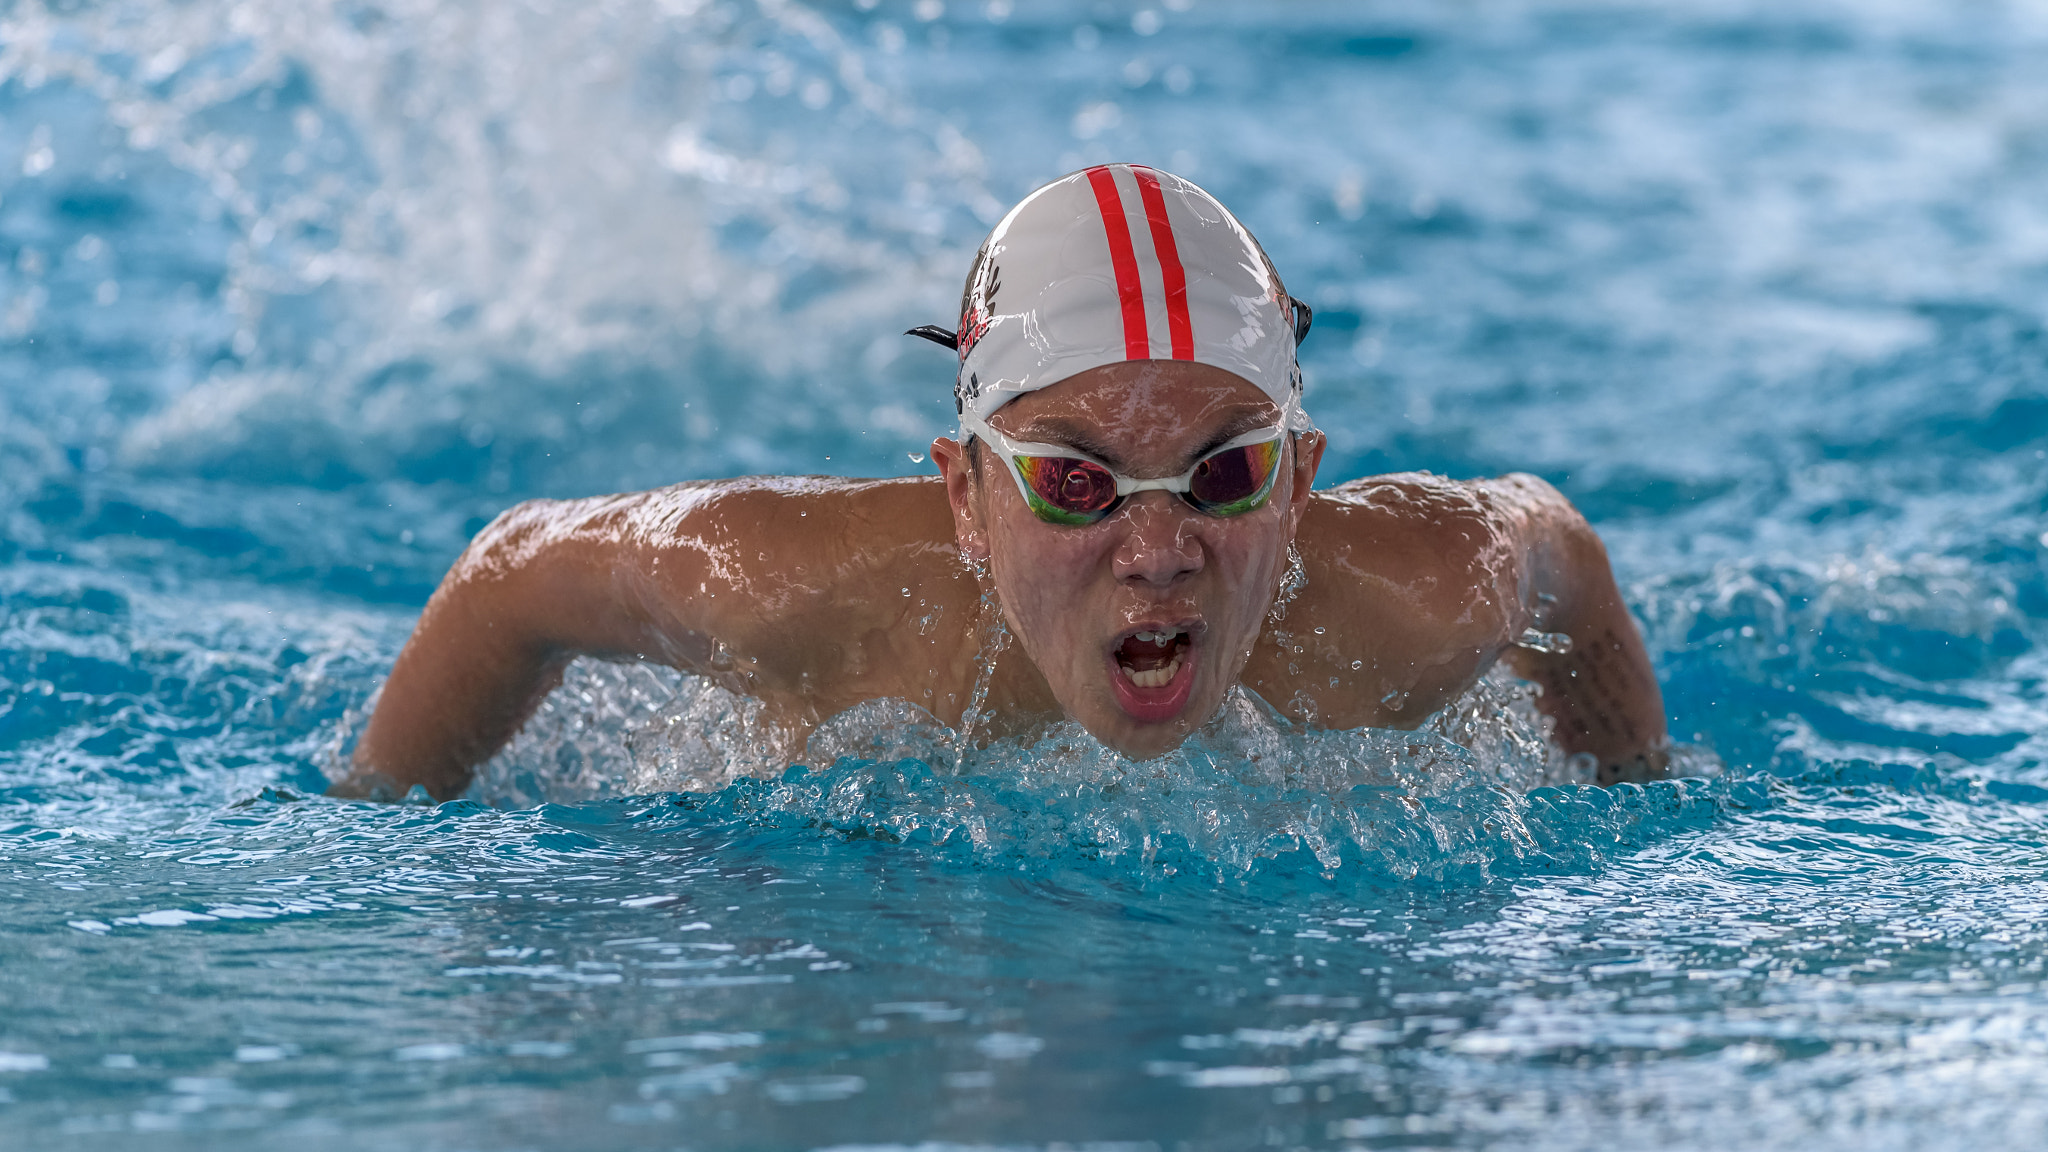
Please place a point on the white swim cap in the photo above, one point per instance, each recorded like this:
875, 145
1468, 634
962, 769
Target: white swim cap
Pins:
1121, 262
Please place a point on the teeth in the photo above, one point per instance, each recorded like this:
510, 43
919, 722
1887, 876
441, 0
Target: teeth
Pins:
1154, 677
1158, 638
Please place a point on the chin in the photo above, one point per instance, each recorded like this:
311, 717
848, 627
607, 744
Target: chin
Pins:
1158, 730
1148, 745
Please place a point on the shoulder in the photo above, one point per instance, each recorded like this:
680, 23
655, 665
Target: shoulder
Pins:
769, 499
752, 561
1426, 556
756, 531
1399, 496
793, 524
693, 511
788, 543
1413, 583
1411, 523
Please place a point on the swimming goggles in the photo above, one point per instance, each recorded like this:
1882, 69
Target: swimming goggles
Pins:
1064, 486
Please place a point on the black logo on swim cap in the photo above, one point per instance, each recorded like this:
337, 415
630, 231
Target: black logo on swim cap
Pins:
978, 307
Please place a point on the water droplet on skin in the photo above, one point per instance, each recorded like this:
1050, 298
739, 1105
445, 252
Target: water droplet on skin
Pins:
1357, 664
1394, 699
1319, 629
906, 591
1554, 643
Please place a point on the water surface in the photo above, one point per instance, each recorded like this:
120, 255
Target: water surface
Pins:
294, 297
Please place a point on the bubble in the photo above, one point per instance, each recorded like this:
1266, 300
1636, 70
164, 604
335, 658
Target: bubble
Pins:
625, 730
1554, 643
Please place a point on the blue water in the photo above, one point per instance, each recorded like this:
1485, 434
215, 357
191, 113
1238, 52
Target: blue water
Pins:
294, 296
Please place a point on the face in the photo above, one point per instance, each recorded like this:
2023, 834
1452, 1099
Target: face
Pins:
1142, 621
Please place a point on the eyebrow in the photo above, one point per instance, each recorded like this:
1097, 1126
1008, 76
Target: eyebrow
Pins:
1058, 430
1054, 430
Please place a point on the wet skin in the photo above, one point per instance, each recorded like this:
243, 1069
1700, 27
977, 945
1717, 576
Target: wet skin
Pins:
1073, 595
815, 594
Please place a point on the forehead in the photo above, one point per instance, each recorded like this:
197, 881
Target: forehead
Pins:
1140, 409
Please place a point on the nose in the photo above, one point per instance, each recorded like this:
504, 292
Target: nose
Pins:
1160, 546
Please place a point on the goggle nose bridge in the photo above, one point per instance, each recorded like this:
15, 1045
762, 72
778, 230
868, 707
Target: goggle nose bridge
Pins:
1174, 484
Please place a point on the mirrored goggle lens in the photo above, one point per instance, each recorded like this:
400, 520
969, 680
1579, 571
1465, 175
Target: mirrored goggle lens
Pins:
1235, 480
1068, 490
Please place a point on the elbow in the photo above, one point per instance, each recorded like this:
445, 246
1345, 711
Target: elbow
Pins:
487, 603
513, 535
510, 548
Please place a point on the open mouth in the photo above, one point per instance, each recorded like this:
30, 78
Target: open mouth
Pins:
1155, 670
1150, 659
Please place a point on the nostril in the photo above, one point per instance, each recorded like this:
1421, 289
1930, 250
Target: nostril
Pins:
1159, 553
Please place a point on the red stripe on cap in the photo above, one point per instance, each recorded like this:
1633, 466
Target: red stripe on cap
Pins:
1124, 259
1178, 327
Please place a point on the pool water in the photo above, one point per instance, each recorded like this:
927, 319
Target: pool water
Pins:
295, 296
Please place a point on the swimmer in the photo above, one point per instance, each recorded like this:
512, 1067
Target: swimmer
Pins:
1128, 494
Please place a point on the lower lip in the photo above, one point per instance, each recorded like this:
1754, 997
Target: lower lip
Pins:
1155, 705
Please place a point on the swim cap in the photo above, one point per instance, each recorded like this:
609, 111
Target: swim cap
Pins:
1121, 262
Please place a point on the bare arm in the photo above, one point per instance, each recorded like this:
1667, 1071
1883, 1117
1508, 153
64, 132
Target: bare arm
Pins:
544, 583
810, 595
1602, 692
1416, 585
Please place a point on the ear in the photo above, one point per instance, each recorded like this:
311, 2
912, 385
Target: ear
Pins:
1308, 456
963, 494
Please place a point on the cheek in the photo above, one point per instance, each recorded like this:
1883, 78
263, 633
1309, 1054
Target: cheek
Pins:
1248, 556
1043, 573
